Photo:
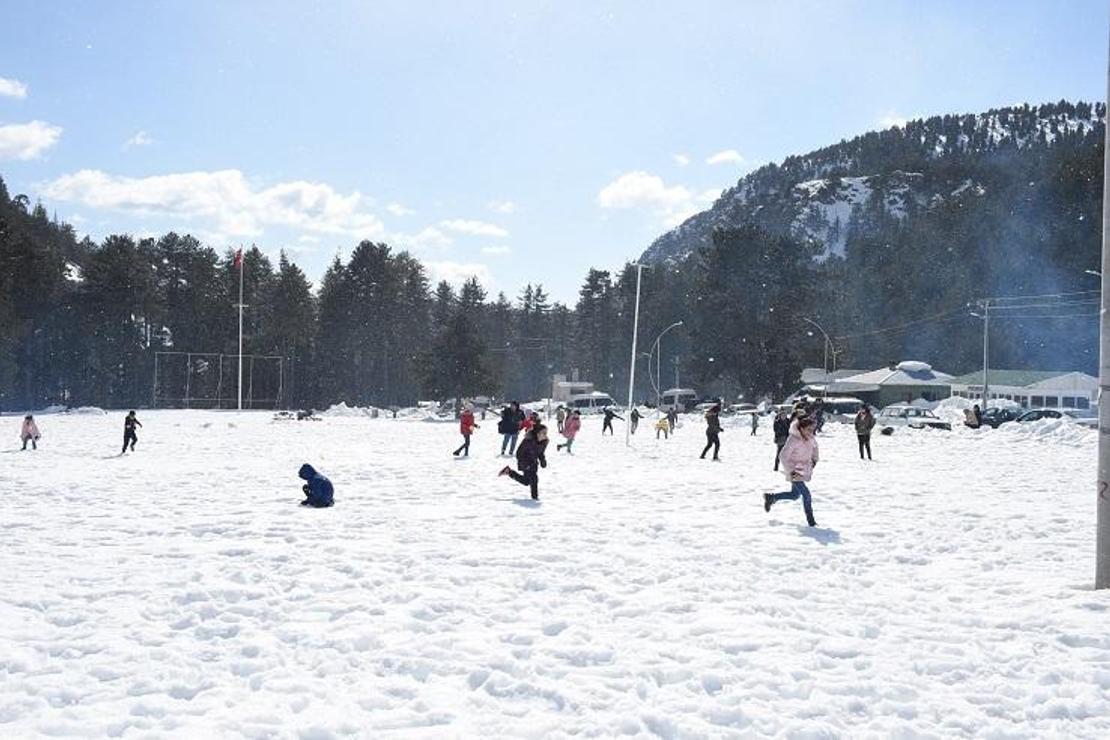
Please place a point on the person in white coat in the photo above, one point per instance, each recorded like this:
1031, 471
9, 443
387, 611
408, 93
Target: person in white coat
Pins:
798, 458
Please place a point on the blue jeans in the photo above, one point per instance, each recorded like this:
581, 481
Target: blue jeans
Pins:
508, 440
798, 488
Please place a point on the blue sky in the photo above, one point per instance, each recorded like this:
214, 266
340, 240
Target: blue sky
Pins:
522, 142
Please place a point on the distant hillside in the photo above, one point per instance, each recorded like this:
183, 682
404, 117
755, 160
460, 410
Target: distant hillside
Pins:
912, 221
823, 197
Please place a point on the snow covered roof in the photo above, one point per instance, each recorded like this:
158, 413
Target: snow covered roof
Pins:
1020, 378
906, 373
817, 374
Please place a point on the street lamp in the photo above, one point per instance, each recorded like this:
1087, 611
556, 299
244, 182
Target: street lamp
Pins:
658, 350
828, 343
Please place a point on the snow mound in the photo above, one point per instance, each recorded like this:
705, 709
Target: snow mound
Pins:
1063, 431
341, 409
914, 366
88, 411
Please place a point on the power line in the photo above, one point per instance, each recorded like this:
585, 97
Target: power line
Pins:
915, 322
1044, 295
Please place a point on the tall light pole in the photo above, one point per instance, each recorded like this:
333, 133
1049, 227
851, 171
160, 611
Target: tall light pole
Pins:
657, 348
828, 343
632, 369
986, 317
1102, 545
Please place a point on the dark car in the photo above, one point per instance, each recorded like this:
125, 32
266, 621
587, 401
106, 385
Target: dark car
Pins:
996, 417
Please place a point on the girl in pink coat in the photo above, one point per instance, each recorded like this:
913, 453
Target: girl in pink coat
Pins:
798, 457
570, 430
30, 432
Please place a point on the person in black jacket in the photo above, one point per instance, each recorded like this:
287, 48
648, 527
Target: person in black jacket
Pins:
607, 423
713, 431
129, 435
509, 426
634, 419
782, 433
530, 458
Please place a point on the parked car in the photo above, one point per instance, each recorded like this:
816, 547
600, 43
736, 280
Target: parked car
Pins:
678, 399
742, 408
913, 417
707, 403
1038, 414
996, 417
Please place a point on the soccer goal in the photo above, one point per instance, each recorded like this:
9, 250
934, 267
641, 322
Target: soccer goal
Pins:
209, 380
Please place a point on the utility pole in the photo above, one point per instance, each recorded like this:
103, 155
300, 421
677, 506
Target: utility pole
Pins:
239, 264
632, 369
986, 352
1102, 547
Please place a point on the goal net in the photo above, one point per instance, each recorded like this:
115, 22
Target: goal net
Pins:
207, 380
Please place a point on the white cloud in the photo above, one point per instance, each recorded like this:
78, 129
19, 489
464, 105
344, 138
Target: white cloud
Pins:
473, 228
726, 156
502, 206
27, 140
458, 273
141, 138
12, 88
223, 200
496, 249
681, 159
427, 238
399, 210
642, 190
308, 239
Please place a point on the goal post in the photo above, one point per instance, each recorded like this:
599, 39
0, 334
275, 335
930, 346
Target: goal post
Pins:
208, 380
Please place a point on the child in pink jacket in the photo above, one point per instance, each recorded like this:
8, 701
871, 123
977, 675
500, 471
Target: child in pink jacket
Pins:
30, 432
570, 430
798, 457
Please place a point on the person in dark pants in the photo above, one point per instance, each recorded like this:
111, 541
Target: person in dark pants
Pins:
865, 422
29, 432
529, 459
607, 423
511, 418
318, 490
713, 431
672, 417
782, 431
799, 458
129, 435
634, 419
467, 425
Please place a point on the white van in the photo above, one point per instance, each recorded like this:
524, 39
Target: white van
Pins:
678, 399
590, 402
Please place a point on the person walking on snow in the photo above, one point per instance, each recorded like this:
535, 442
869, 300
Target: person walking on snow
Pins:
865, 422
29, 432
318, 490
799, 457
672, 417
607, 423
755, 422
509, 427
529, 459
467, 425
634, 419
782, 432
570, 430
129, 435
664, 426
713, 432
560, 417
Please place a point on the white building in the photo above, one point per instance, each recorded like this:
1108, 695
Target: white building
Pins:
1032, 388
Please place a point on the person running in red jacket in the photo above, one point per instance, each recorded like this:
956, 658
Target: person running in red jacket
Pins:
467, 425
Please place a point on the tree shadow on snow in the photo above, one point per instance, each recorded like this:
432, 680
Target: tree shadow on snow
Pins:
821, 534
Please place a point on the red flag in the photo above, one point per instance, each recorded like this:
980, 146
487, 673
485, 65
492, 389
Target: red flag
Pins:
239, 258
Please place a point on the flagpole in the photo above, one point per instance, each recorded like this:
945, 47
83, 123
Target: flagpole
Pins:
241, 267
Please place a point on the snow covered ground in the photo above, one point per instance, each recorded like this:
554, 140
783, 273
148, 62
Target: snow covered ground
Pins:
181, 591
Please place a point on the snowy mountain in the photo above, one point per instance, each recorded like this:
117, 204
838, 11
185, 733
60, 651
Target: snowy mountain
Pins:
833, 197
